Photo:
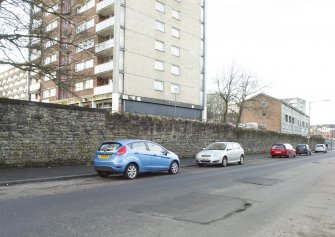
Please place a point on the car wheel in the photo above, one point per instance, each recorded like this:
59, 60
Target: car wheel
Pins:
224, 161
241, 162
273, 156
174, 167
201, 165
103, 174
131, 171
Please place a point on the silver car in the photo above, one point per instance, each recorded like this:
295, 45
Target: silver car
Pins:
320, 148
221, 153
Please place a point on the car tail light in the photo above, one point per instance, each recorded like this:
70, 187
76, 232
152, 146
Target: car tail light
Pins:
121, 151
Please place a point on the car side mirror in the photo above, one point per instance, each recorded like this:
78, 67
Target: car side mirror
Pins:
165, 152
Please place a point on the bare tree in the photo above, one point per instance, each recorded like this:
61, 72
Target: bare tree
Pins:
248, 85
24, 37
227, 88
234, 87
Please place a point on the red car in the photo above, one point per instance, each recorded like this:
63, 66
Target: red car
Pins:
283, 149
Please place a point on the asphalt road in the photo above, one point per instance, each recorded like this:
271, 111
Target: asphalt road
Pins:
264, 197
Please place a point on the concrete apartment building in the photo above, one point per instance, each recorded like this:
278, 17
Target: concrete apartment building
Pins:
133, 56
275, 115
13, 84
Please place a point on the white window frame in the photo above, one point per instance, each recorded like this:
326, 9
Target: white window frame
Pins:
160, 26
175, 51
175, 14
83, 65
51, 26
159, 65
87, 44
175, 70
159, 85
175, 32
51, 9
86, 6
160, 6
159, 45
85, 25
50, 59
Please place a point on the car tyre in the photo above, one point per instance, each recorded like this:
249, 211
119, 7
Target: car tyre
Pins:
224, 162
131, 171
241, 162
174, 167
103, 174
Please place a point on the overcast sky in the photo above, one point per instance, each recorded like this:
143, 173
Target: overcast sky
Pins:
288, 44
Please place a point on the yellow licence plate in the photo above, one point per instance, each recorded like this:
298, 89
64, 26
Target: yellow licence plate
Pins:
104, 156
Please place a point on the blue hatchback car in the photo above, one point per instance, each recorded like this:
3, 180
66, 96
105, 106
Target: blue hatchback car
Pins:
130, 157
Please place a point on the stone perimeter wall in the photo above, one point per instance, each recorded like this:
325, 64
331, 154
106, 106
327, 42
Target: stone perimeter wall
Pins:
40, 134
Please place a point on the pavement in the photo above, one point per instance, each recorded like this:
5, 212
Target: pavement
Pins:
12, 176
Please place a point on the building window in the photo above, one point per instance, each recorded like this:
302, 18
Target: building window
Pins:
160, 7
83, 85
159, 85
175, 51
51, 26
50, 76
263, 114
85, 25
286, 118
50, 43
175, 32
50, 59
159, 45
84, 65
159, 65
49, 93
175, 89
87, 44
160, 26
175, 70
84, 7
51, 9
175, 14
264, 104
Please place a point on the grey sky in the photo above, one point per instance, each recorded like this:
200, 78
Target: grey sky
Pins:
288, 44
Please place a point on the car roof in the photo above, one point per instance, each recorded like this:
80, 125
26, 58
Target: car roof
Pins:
125, 141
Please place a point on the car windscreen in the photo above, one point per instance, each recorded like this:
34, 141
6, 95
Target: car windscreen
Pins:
110, 146
216, 146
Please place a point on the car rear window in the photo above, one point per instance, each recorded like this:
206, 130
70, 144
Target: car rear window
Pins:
278, 146
110, 146
216, 146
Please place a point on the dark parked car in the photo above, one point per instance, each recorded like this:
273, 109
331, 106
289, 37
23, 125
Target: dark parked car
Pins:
282, 149
303, 149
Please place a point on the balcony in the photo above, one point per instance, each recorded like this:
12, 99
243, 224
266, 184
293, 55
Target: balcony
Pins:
106, 27
106, 7
103, 89
105, 48
35, 87
104, 70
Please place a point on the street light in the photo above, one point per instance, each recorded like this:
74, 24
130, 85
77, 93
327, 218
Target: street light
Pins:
309, 115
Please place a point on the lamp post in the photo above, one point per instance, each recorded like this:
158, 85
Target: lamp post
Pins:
309, 116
